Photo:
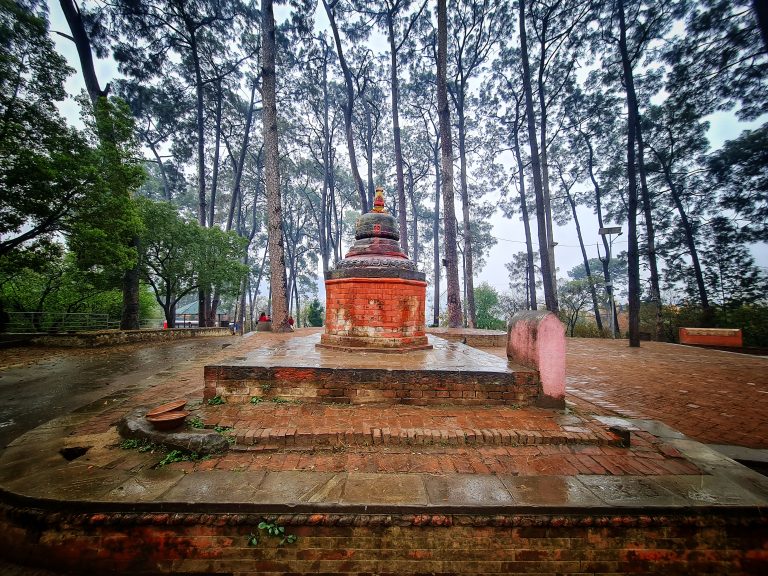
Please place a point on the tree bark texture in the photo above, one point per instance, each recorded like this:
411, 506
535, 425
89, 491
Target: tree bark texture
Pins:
84, 54
545, 160
469, 271
648, 216
348, 107
633, 255
278, 285
690, 239
436, 237
550, 295
200, 121
395, 89
606, 244
129, 319
216, 148
592, 293
446, 147
530, 270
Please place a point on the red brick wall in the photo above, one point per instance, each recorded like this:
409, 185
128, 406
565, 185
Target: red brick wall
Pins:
711, 337
238, 384
189, 543
375, 307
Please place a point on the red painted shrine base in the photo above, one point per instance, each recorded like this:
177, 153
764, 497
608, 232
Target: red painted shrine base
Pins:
380, 314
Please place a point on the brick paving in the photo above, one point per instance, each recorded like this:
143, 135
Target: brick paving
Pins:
712, 396
647, 457
644, 383
281, 436
269, 424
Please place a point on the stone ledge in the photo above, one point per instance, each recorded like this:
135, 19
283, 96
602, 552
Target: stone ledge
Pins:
114, 337
100, 515
475, 337
135, 426
277, 439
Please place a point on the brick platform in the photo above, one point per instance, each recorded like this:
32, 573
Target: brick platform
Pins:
298, 370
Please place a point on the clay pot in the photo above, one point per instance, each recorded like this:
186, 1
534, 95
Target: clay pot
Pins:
168, 420
169, 407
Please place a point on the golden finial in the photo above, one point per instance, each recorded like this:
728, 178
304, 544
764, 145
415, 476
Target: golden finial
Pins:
378, 201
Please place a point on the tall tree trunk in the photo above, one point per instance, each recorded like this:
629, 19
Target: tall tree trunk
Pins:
414, 219
325, 220
633, 254
215, 297
469, 271
690, 239
277, 285
348, 107
436, 237
163, 172
761, 14
84, 53
446, 147
593, 294
371, 189
649, 228
203, 301
200, 126
130, 310
216, 147
241, 160
606, 245
395, 90
530, 269
550, 294
544, 158
129, 319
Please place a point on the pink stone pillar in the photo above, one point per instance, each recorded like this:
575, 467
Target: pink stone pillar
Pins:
536, 339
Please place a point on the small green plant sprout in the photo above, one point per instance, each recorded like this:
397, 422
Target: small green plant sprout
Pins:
140, 445
278, 400
196, 422
216, 401
225, 431
265, 387
256, 400
178, 456
274, 530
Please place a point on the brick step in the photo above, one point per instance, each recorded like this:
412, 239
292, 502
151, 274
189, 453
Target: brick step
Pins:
260, 439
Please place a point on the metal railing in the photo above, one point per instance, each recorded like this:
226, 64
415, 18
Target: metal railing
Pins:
27, 322
58, 322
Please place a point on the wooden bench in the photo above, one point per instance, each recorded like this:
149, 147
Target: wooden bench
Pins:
728, 337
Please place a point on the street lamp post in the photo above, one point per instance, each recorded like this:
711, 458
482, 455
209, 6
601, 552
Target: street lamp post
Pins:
610, 232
